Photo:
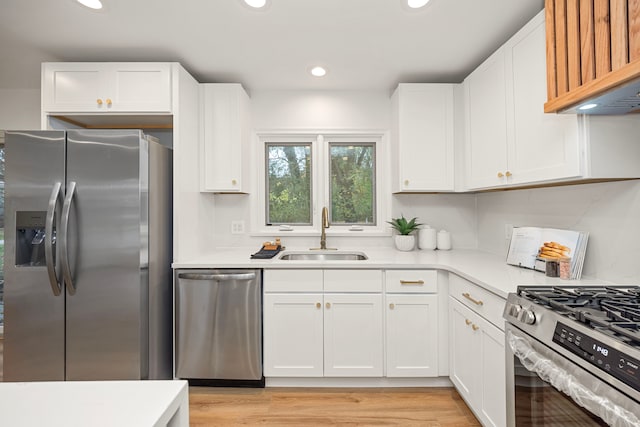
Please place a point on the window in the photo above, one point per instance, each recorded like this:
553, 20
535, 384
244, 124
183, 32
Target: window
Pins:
288, 183
352, 171
304, 173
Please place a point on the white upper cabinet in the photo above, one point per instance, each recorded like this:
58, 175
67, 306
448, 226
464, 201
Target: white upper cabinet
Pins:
422, 138
225, 139
486, 119
542, 146
509, 139
100, 87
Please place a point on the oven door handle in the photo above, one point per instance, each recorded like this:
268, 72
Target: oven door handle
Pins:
550, 372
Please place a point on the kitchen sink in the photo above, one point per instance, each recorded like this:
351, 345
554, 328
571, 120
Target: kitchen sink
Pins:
323, 256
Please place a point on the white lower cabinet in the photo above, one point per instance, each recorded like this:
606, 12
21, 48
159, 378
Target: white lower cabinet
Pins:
477, 363
353, 335
412, 335
315, 334
293, 335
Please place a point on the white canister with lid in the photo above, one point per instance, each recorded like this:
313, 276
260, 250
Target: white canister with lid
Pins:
444, 240
427, 238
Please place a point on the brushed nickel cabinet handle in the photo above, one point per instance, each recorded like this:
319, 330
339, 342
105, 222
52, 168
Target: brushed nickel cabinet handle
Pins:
470, 298
412, 282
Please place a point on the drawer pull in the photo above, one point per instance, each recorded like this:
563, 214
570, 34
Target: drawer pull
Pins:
470, 298
475, 327
467, 321
412, 282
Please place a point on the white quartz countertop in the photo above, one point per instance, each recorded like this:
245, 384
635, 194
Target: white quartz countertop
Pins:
94, 403
486, 270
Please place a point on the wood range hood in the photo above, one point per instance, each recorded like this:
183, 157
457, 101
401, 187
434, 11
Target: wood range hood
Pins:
593, 56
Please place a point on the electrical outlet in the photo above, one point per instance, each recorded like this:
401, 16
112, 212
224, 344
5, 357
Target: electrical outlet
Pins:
508, 230
237, 227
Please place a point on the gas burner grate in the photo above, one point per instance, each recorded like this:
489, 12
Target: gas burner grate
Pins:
615, 309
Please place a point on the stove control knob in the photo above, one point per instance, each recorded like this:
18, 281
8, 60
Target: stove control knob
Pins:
514, 310
528, 316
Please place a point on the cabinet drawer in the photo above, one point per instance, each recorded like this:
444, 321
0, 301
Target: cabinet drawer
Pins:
353, 281
483, 302
292, 280
411, 281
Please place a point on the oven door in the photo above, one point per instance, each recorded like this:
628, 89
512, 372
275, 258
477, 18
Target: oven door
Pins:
546, 389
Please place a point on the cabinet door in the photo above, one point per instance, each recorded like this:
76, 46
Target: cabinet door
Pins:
353, 335
76, 87
86, 87
412, 335
492, 396
542, 146
225, 115
293, 339
139, 87
423, 132
486, 124
464, 344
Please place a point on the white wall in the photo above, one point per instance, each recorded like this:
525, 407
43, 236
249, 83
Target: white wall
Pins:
19, 109
344, 110
610, 212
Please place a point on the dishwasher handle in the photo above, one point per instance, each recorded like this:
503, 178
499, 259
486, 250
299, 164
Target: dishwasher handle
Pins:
217, 276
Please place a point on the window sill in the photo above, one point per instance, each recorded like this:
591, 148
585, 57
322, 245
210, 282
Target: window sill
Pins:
316, 233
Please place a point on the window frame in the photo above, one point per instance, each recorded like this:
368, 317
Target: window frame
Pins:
320, 182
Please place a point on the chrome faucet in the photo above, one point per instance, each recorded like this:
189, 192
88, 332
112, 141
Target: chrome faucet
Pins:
324, 224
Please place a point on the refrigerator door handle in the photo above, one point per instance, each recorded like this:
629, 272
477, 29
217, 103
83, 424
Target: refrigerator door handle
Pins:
48, 239
64, 238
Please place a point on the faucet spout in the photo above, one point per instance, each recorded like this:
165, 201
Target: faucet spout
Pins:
325, 224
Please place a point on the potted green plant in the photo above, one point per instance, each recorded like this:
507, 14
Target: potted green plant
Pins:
404, 240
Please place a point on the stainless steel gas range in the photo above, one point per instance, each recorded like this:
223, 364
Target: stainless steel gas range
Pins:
573, 356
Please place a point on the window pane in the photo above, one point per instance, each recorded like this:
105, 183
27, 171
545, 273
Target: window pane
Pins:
289, 184
352, 184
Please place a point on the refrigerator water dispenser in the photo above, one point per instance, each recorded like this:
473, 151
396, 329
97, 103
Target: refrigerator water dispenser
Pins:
30, 226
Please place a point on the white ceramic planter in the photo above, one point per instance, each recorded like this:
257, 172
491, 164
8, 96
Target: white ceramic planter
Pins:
404, 242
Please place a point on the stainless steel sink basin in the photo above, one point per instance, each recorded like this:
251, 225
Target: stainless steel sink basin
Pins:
323, 256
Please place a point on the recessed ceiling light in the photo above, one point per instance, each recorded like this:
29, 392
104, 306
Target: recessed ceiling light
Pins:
91, 4
417, 4
256, 3
587, 106
318, 71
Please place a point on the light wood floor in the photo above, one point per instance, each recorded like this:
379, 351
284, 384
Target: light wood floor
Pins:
318, 406
429, 407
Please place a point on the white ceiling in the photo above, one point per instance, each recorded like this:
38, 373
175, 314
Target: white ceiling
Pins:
365, 44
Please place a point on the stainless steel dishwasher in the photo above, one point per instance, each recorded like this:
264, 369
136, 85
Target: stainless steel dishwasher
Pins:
219, 327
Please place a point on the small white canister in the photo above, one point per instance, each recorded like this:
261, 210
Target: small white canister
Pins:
427, 238
444, 240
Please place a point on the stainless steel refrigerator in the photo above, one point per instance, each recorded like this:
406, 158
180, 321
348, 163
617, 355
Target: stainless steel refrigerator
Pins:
87, 256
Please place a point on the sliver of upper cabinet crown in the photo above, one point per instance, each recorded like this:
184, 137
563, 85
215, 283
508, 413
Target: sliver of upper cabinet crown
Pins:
103, 87
422, 138
226, 137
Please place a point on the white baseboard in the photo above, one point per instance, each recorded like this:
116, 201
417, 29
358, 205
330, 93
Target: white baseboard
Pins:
358, 382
